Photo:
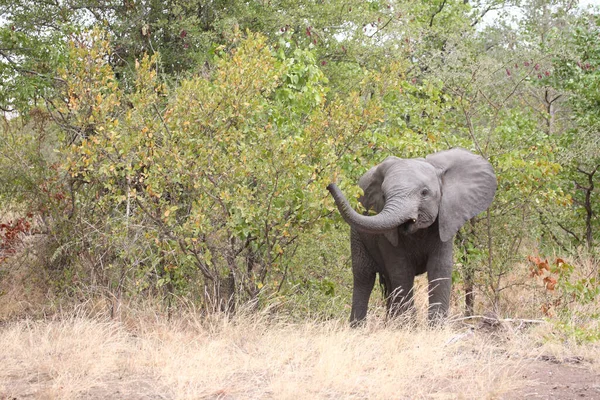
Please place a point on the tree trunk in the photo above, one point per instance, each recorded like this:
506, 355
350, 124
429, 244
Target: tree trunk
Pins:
587, 204
468, 269
469, 293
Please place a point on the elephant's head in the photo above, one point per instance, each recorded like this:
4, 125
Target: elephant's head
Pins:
410, 194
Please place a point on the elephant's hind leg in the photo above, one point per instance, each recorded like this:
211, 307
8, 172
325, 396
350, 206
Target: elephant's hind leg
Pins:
400, 299
400, 277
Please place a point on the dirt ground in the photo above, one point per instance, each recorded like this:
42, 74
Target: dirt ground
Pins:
552, 379
547, 379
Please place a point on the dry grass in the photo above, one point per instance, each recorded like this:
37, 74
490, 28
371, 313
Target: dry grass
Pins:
144, 355
252, 357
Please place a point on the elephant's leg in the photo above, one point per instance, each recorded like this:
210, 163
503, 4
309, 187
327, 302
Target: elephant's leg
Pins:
400, 297
399, 279
439, 275
363, 271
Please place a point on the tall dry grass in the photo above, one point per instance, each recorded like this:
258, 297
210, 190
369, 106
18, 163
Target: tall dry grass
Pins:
146, 355
255, 357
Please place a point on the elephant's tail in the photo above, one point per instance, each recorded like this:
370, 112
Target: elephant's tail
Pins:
385, 286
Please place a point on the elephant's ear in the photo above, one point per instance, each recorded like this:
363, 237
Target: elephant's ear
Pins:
373, 198
468, 188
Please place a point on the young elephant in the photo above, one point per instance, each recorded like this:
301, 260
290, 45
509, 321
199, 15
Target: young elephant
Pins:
420, 205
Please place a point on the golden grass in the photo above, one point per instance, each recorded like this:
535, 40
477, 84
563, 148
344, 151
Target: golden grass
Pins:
254, 357
145, 355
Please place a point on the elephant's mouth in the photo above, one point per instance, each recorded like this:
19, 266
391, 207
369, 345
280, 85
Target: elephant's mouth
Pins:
408, 227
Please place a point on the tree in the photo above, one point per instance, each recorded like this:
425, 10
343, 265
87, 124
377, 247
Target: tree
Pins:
507, 113
143, 144
576, 73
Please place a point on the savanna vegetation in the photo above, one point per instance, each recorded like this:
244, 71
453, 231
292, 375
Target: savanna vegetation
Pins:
175, 154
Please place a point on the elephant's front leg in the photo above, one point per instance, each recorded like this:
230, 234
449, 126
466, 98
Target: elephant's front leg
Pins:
439, 275
399, 278
363, 271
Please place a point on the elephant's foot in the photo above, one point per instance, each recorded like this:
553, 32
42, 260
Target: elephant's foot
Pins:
437, 315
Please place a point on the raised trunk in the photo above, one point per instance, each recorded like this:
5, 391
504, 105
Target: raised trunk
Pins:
391, 217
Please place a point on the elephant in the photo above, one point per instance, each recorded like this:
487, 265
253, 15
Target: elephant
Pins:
420, 204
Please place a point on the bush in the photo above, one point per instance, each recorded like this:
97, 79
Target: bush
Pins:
203, 188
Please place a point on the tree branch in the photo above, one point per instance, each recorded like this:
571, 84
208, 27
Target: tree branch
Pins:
437, 12
569, 232
21, 70
379, 29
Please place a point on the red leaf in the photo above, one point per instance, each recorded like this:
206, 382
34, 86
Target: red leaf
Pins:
550, 283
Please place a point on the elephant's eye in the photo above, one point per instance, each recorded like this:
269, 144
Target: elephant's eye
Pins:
425, 192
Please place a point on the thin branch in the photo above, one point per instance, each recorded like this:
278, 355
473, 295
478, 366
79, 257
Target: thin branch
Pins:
589, 174
472, 131
546, 223
436, 13
483, 14
162, 120
19, 69
379, 29
163, 228
570, 232
500, 320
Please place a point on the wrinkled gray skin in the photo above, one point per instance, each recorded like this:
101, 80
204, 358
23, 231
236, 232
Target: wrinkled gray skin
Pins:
420, 203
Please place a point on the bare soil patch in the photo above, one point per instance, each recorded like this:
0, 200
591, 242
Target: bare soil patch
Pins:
538, 379
550, 378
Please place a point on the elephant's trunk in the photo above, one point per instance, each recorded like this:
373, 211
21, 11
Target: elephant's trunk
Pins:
391, 217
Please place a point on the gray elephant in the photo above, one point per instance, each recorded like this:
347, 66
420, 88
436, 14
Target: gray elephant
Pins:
420, 203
